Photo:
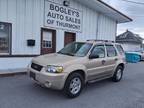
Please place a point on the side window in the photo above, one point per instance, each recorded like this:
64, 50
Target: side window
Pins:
120, 49
99, 50
5, 37
111, 51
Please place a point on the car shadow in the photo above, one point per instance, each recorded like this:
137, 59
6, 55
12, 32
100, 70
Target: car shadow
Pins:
98, 85
43, 91
55, 94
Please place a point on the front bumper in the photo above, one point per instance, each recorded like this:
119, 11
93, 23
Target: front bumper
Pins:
49, 80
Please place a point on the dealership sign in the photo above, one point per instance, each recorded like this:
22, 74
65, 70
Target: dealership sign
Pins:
58, 16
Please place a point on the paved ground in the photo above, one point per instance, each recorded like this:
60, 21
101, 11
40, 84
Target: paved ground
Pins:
21, 92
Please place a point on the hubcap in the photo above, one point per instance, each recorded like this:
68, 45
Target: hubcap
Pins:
75, 85
119, 74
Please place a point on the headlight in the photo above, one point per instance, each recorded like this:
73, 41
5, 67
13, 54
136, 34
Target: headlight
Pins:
54, 69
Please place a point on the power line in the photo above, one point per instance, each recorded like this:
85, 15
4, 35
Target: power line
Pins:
139, 3
136, 15
134, 2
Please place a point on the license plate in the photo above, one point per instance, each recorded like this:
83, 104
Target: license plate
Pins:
32, 75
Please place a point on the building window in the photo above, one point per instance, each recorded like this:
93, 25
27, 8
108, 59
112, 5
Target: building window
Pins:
5, 35
47, 40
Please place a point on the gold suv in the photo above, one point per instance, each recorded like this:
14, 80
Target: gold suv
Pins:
78, 63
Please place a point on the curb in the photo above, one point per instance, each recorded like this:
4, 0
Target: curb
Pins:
12, 74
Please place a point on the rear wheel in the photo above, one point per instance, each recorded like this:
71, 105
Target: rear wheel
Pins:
118, 74
74, 85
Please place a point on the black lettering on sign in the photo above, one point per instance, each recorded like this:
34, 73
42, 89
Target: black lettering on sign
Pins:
63, 10
50, 21
77, 14
72, 20
55, 15
49, 14
70, 26
62, 17
51, 7
57, 8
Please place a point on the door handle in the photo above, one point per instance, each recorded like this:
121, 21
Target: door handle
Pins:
116, 59
103, 62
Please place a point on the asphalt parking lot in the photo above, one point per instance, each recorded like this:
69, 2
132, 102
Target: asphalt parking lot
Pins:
21, 92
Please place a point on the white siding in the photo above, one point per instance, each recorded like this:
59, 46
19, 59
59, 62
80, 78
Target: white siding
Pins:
131, 47
27, 18
13, 63
106, 28
89, 25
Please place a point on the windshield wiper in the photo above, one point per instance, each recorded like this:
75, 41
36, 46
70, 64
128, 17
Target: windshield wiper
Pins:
70, 54
66, 53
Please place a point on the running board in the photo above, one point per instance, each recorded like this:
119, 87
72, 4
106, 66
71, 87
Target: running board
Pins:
99, 79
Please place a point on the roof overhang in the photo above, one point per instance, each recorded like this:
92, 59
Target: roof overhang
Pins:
107, 10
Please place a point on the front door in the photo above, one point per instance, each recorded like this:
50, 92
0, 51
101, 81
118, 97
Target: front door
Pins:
97, 66
69, 37
48, 41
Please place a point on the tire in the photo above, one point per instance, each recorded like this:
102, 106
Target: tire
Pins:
73, 85
118, 74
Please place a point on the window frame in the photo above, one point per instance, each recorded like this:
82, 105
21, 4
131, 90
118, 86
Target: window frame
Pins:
45, 42
96, 46
10, 39
120, 48
116, 53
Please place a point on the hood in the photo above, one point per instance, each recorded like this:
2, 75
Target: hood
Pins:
53, 59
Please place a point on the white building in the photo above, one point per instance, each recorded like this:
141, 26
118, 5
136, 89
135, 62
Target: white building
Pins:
130, 41
30, 28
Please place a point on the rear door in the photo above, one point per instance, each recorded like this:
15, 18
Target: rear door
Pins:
112, 58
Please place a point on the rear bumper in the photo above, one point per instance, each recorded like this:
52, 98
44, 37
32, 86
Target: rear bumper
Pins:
49, 80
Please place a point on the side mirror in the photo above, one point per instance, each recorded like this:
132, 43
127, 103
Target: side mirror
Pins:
93, 56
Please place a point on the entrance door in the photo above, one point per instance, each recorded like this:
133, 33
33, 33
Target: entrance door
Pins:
69, 37
48, 41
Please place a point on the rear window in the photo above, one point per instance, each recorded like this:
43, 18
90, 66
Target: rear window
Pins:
120, 49
111, 51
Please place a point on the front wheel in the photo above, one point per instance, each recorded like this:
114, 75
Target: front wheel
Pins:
74, 85
118, 74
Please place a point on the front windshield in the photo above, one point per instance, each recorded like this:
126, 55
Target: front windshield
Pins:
78, 49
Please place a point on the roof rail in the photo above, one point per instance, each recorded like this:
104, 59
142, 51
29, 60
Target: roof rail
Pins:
100, 40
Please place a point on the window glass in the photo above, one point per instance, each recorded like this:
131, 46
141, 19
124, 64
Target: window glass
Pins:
76, 49
99, 50
120, 49
5, 32
47, 40
111, 51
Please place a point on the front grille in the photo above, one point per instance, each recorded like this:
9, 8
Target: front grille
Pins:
36, 67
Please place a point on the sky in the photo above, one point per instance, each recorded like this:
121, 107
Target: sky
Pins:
134, 11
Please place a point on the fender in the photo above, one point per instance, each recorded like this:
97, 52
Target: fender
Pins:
117, 64
76, 67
